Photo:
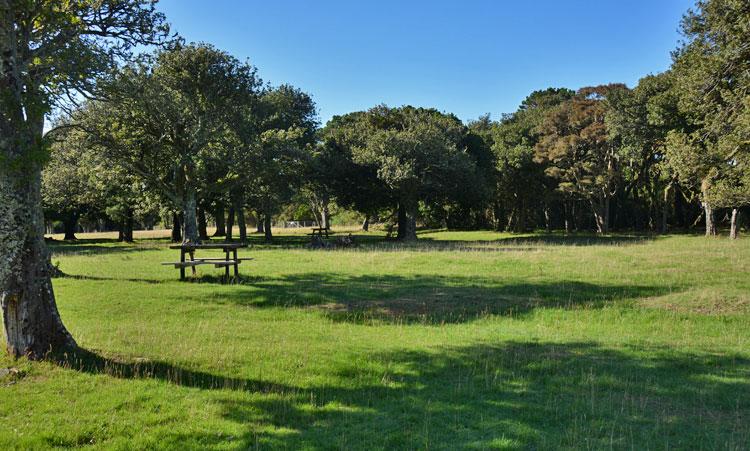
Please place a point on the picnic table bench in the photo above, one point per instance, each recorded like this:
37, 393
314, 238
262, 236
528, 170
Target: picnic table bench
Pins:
226, 262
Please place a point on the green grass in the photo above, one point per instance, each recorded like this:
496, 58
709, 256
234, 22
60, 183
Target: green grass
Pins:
466, 340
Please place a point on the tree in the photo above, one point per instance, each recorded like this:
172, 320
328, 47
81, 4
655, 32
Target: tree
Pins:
277, 143
577, 152
66, 191
48, 52
521, 184
640, 120
712, 80
416, 154
164, 120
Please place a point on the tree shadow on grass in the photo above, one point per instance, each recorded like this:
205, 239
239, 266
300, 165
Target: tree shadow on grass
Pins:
96, 246
422, 298
514, 395
87, 361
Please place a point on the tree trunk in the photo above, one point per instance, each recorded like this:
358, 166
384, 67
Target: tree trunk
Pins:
241, 223
324, 214
366, 223
176, 228
665, 209
708, 209
69, 224
734, 228
126, 228
230, 224
190, 216
710, 222
259, 223
219, 219
409, 220
601, 214
32, 324
267, 228
202, 225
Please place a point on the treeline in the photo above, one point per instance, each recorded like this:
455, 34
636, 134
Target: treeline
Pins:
193, 135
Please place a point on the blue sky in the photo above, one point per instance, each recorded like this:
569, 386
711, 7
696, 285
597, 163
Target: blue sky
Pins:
466, 57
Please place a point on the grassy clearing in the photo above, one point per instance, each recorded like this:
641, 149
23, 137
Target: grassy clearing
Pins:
464, 340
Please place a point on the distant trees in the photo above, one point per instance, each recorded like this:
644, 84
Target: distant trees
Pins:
416, 154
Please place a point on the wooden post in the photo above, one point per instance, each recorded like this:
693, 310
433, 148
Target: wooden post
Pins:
236, 264
226, 268
192, 259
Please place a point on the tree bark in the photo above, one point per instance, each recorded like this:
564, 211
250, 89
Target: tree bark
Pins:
267, 228
221, 229
259, 226
324, 214
601, 214
734, 227
230, 224
408, 221
189, 216
665, 209
32, 324
126, 228
710, 221
366, 223
202, 225
176, 228
69, 224
241, 226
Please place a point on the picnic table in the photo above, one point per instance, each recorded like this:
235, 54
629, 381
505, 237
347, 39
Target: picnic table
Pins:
226, 262
320, 231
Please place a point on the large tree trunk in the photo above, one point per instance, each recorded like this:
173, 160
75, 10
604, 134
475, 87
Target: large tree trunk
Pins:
241, 223
267, 228
32, 324
221, 229
126, 228
230, 224
710, 221
202, 225
408, 221
70, 223
708, 209
735, 224
190, 216
325, 216
176, 227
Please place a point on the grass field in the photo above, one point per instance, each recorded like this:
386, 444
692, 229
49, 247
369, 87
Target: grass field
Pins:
466, 340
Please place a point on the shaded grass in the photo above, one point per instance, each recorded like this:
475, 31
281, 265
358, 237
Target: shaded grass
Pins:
625, 343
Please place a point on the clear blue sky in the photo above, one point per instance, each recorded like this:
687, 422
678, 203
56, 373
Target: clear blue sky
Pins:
466, 57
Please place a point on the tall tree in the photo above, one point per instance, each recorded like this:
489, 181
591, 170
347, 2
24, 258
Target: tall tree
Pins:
163, 120
712, 80
577, 152
48, 52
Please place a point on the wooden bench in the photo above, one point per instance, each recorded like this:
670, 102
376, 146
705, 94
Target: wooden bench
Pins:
226, 262
319, 231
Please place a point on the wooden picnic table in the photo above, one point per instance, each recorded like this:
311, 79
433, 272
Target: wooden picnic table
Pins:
320, 230
226, 262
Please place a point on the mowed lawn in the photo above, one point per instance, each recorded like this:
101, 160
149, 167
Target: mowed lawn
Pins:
467, 340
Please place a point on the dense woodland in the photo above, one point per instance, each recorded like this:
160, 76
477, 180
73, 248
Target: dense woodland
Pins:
189, 135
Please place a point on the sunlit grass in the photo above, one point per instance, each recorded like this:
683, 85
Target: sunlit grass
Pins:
463, 340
